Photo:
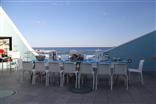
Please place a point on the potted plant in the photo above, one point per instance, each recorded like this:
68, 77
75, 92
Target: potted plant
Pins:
40, 57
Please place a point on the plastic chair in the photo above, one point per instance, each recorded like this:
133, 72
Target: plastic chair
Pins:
86, 69
104, 70
70, 68
54, 67
26, 67
120, 69
138, 70
41, 68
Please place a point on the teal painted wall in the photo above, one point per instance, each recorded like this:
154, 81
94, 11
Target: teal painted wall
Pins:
155, 50
140, 48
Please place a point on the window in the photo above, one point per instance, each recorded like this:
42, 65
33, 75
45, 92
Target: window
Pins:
6, 44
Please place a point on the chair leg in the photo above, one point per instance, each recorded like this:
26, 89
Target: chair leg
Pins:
76, 80
111, 82
67, 78
142, 80
93, 81
53, 77
129, 74
61, 79
41, 75
126, 82
47, 78
79, 78
96, 81
22, 75
33, 77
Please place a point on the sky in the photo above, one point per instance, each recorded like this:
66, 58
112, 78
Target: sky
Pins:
81, 23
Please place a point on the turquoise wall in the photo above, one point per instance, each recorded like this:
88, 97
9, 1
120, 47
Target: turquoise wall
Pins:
155, 49
140, 48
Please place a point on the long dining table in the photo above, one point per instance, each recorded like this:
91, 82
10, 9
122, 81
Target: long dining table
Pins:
94, 62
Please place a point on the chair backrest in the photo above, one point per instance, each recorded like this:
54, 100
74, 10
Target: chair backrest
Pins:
141, 63
94, 65
40, 66
19, 63
104, 69
120, 69
27, 65
69, 67
86, 68
61, 64
54, 66
14, 55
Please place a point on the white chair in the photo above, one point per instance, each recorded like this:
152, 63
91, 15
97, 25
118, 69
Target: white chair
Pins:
19, 64
15, 59
104, 69
139, 71
16, 64
54, 67
5, 64
41, 68
86, 69
70, 68
27, 66
120, 69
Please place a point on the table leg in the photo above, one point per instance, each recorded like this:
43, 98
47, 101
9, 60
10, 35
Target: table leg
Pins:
2, 65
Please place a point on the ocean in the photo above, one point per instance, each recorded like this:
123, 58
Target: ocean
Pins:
66, 50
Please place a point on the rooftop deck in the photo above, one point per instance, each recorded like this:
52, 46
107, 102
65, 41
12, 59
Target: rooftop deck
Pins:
39, 94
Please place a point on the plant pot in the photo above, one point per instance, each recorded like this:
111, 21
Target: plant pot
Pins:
40, 58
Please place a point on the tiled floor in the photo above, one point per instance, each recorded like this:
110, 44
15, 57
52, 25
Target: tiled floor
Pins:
39, 94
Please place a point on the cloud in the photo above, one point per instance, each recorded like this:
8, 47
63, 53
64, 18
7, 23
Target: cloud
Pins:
40, 22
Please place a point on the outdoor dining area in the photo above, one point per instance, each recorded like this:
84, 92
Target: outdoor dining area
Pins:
76, 70
80, 72
82, 81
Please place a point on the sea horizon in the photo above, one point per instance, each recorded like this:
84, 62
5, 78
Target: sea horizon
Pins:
79, 48
66, 50
72, 47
